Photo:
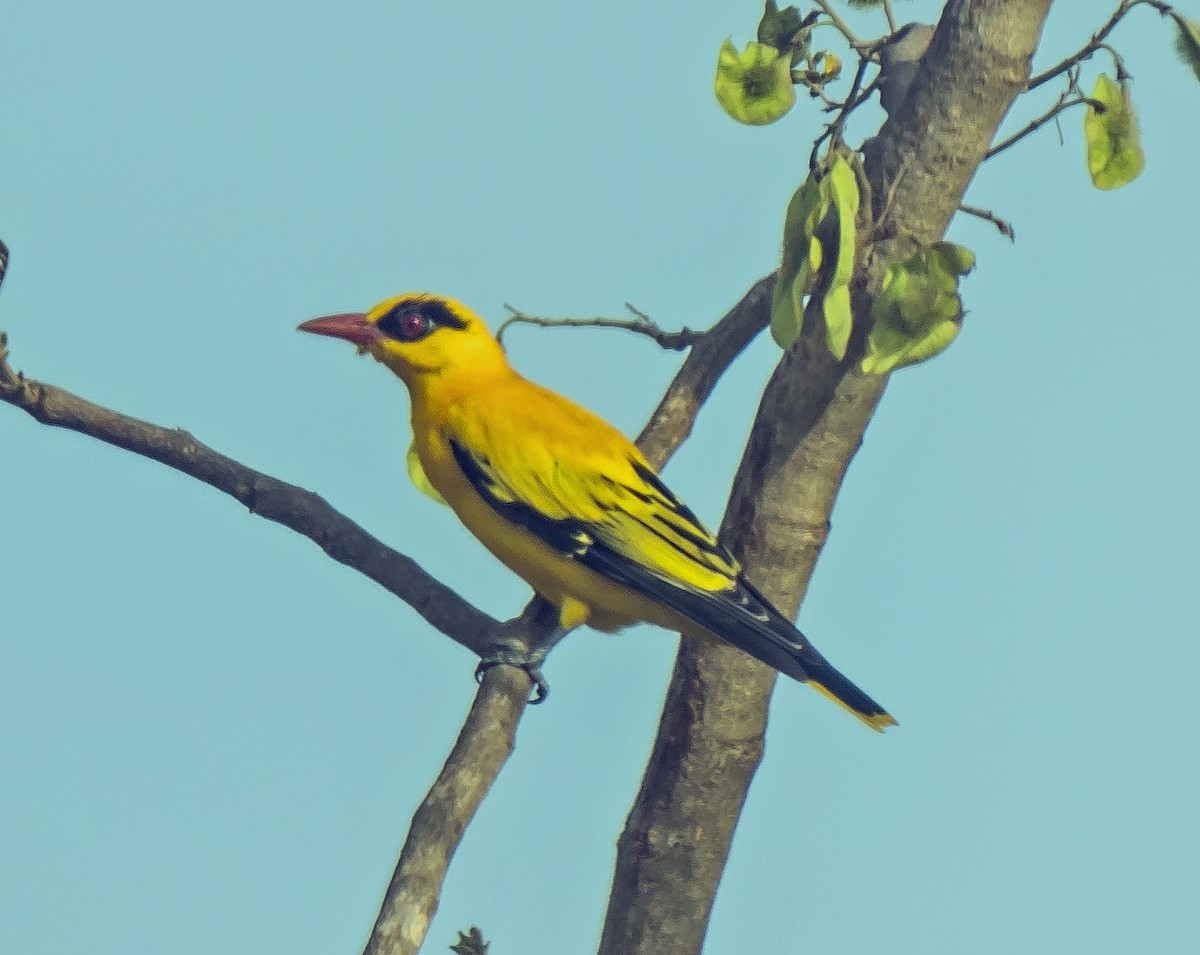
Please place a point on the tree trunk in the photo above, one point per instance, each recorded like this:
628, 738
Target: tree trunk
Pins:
809, 424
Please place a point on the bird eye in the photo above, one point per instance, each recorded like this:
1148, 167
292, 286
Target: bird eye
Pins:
413, 325
406, 326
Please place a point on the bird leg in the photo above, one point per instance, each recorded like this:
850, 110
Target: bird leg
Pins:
514, 652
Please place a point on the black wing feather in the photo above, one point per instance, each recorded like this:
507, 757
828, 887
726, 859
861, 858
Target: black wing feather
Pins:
739, 615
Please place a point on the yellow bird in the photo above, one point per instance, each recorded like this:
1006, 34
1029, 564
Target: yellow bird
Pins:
565, 500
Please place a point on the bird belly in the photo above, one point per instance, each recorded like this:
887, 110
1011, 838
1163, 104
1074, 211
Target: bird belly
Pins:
583, 595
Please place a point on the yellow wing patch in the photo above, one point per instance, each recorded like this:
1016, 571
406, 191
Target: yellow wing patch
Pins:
416, 474
571, 476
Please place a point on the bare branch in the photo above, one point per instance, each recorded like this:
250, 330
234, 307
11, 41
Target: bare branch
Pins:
671, 422
1096, 41
833, 131
641, 324
483, 747
835, 19
890, 14
816, 89
1003, 225
1070, 97
294, 507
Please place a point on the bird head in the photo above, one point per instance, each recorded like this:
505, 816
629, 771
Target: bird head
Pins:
419, 336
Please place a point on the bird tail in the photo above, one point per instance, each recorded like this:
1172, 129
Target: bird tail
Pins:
743, 617
831, 683
767, 635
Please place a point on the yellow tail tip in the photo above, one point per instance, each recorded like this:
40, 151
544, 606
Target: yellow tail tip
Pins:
878, 720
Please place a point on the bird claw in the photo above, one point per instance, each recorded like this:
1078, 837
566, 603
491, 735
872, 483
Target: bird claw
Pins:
503, 654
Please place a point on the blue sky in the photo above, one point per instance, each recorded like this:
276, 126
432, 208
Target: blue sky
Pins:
212, 734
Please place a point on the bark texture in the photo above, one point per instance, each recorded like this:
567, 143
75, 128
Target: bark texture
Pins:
483, 747
811, 420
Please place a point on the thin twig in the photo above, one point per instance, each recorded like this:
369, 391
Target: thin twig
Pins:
833, 131
816, 89
641, 323
889, 200
891, 16
671, 422
1070, 97
987, 215
835, 19
1096, 41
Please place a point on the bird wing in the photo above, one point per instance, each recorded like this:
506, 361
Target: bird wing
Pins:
583, 488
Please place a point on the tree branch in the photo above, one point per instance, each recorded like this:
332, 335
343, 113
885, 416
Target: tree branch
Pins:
890, 14
1095, 42
640, 324
837, 22
1003, 226
484, 744
303, 511
1070, 97
833, 130
671, 422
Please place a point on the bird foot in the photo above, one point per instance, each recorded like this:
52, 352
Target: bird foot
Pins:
515, 655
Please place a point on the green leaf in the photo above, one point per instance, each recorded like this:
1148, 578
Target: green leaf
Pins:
1187, 43
843, 194
838, 320
416, 474
956, 259
755, 85
918, 311
1114, 151
786, 321
819, 248
897, 352
800, 261
778, 27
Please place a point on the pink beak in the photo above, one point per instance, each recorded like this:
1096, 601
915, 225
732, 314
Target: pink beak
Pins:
352, 326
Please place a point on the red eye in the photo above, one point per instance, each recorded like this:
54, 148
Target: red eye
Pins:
413, 325
406, 326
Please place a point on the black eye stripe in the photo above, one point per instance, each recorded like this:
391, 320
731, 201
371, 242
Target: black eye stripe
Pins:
437, 314
405, 324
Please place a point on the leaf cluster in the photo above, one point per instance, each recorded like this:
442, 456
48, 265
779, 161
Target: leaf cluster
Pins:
918, 312
1114, 151
819, 247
